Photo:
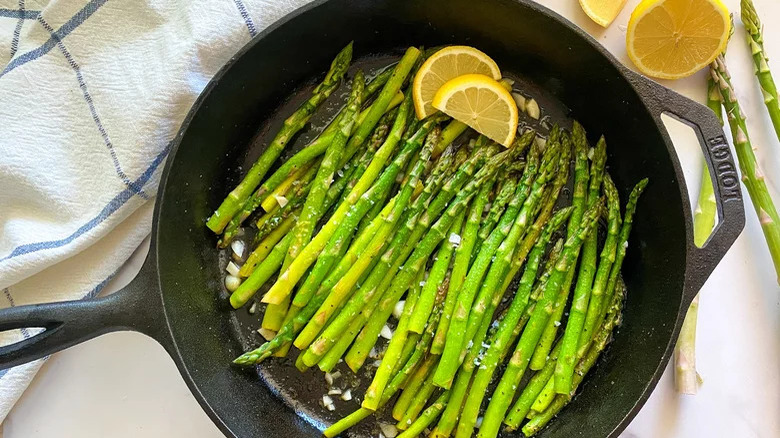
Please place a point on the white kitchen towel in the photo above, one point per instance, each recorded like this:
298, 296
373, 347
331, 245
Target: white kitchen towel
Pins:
91, 95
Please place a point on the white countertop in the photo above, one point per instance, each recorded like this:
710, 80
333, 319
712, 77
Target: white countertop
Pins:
125, 385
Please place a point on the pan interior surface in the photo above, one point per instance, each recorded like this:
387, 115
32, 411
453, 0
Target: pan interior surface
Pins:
244, 107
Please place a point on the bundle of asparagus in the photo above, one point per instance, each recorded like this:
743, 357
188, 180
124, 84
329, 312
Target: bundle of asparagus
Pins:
382, 206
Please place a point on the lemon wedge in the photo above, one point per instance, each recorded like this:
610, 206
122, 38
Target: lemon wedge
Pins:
603, 12
482, 103
672, 39
444, 65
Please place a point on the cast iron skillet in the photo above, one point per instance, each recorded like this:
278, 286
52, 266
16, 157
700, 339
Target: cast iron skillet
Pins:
176, 297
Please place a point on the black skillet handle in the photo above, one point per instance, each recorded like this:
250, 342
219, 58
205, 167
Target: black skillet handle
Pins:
136, 307
717, 154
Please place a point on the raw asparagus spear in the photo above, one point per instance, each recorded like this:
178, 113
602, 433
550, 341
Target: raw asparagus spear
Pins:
755, 34
686, 379
752, 176
232, 204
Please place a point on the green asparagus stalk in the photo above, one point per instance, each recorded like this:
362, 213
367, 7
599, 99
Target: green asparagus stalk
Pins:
461, 265
378, 108
265, 247
399, 380
542, 351
502, 339
456, 342
686, 379
614, 275
586, 363
312, 208
335, 226
417, 403
308, 255
439, 270
261, 274
535, 387
378, 281
582, 320
292, 326
401, 247
435, 277
376, 140
413, 386
452, 131
426, 418
755, 39
232, 204
421, 253
497, 208
752, 176
505, 391
345, 284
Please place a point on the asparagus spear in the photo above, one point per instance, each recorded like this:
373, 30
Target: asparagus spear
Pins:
345, 284
755, 34
752, 176
426, 418
293, 326
550, 331
614, 275
267, 245
505, 391
378, 281
308, 255
261, 274
461, 265
501, 340
452, 131
587, 362
417, 403
412, 386
583, 320
686, 379
232, 204
399, 379
439, 270
421, 253
312, 208
378, 108
456, 342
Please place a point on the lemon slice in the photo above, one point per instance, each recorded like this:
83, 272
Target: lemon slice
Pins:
482, 103
672, 39
444, 65
603, 12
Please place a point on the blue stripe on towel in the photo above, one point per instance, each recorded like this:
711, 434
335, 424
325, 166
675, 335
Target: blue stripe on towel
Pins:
18, 30
114, 205
93, 111
250, 25
20, 13
59, 34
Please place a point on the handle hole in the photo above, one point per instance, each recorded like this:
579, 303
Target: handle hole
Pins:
14, 336
689, 152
